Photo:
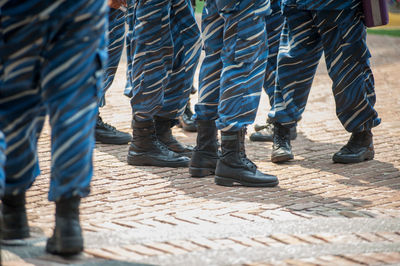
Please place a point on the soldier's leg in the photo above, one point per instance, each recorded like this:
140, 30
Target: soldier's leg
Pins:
2, 165
116, 40
299, 54
104, 132
21, 111
187, 47
78, 45
347, 58
244, 58
186, 121
150, 54
274, 26
2, 177
205, 156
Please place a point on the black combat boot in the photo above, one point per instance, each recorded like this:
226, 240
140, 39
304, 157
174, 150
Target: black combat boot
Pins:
205, 154
281, 148
359, 148
234, 167
185, 120
146, 149
67, 236
164, 134
265, 132
108, 134
15, 221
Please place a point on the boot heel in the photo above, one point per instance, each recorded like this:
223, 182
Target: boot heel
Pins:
200, 172
370, 155
222, 181
65, 245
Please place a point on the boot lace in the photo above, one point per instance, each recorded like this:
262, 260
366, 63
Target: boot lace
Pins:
242, 153
281, 137
281, 141
100, 124
247, 161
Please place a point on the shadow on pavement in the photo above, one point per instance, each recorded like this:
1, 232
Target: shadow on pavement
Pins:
31, 251
36, 255
312, 167
364, 174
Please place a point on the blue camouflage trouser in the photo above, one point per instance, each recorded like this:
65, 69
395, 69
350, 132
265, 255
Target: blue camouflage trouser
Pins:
116, 38
51, 58
341, 35
2, 163
274, 27
163, 50
233, 71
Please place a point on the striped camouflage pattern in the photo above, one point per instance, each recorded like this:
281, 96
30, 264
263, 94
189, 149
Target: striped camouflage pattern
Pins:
163, 50
341, 35
51, 55
2, 163
116, 38
322, 4
233, 71
274, 24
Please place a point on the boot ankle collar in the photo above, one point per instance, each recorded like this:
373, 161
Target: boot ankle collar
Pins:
165, 121
229, 135
205, 123
142, 124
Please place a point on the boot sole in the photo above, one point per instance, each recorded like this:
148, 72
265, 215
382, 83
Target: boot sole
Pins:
66, 246
145, 161
201, 172
367, 156
113, 141
228, 182
282, 158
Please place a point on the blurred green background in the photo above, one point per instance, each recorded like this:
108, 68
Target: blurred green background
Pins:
392, 29
199, 6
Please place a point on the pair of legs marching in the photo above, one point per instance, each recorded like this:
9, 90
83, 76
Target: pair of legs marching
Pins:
104, 132
338, 32
163, 52
274, 25
231, 78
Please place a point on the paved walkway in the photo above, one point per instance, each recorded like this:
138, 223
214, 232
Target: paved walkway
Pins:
321, 213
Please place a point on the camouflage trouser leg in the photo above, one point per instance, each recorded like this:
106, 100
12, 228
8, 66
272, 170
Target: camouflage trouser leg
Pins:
233, 71
116, 36
53, 66
274, 29
2, 164
341, 36
163, 46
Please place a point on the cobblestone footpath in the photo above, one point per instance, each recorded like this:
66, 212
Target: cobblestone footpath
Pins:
321, 214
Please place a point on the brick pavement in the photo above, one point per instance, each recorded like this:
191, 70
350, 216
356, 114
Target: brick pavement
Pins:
321, 213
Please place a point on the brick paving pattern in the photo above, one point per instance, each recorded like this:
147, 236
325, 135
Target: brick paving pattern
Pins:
321, 213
